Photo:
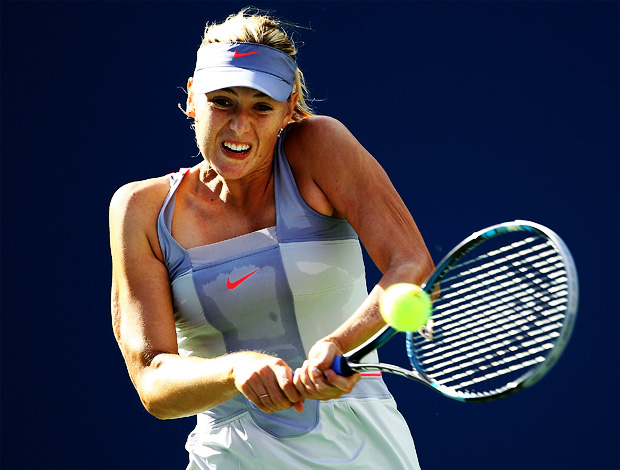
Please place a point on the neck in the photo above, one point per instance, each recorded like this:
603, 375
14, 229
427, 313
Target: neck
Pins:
246, 193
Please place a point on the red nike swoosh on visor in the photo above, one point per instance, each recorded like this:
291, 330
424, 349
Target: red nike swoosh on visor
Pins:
242, 54
232, 285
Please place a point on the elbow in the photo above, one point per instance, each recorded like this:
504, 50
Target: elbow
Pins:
421, 265
157, 408
155, 393
427, 266
156, 401
415, 269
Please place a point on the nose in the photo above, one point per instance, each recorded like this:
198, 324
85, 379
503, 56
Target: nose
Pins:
240, 122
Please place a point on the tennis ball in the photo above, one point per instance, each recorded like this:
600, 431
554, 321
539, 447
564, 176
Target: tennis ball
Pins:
405, 307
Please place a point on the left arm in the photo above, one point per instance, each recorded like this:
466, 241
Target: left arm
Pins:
339, 178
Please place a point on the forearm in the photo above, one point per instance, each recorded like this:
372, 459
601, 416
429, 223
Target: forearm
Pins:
367, 319
315, 380
173, 386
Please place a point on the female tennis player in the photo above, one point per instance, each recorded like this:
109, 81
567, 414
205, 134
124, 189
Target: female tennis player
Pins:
236, 282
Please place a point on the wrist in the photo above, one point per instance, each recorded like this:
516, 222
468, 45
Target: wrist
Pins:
333, 340
234, 360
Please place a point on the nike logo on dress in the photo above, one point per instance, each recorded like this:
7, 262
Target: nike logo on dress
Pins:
242, 54
232, 285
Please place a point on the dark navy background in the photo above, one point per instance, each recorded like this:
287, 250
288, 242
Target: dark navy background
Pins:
481, 111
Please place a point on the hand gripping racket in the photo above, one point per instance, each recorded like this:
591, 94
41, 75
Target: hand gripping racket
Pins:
504, 304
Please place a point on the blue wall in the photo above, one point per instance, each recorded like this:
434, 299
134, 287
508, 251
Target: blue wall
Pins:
480, 111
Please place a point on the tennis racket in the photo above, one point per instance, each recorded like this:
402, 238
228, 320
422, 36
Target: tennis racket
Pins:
504, 304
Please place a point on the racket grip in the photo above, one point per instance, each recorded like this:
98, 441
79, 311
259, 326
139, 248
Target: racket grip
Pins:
341, 366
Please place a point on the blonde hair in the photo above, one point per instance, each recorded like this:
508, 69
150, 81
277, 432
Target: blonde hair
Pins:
251, 25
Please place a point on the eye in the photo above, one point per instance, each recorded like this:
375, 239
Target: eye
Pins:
220, 101
263, 108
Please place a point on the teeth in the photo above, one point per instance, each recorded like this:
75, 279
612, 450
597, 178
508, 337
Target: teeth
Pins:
237, 147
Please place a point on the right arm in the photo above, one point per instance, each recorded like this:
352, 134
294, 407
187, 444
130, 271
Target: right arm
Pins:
169, 385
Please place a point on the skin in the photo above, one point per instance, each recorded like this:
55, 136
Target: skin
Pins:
231, 193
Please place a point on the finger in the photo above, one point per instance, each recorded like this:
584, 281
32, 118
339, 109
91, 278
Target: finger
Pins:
322, 386
322, 362
345, 384
280, 393
299, 406
263, 392
322, 355
256, 399
314, 382
304, 382
277, 401
266, 404
315, 372
273, 399
299, 383
287, 386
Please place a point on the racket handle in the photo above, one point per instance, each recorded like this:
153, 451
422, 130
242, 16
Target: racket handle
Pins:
341, 366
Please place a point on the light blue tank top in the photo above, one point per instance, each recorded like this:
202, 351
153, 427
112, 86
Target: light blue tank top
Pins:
276, 290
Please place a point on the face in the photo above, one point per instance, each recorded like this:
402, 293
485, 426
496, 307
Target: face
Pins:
236, 129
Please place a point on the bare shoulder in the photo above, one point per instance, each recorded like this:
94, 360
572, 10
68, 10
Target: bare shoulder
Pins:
134, 209
323, 145
327, 160
139, 197
318, 133
320, 123
307, 149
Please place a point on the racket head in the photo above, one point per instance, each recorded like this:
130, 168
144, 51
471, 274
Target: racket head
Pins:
504, 305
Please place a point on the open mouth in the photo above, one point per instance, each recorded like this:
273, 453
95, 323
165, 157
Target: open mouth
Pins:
237, 149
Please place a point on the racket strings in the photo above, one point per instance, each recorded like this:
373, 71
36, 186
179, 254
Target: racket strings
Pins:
489, 270
483, 311
477, 290
497, 314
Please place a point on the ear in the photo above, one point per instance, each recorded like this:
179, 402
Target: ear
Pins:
190, 109
292, 102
